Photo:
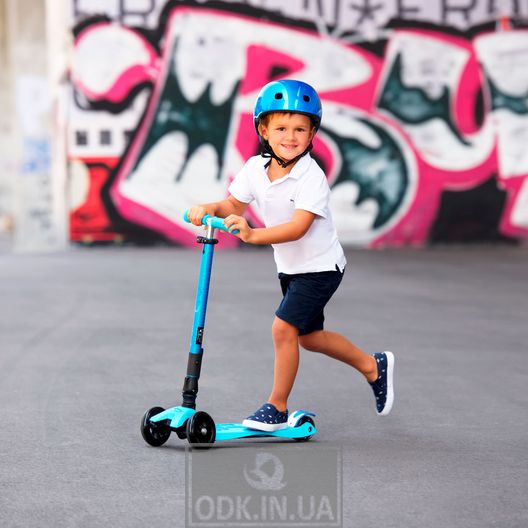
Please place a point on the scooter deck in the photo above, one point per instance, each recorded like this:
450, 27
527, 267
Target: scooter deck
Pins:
230, 431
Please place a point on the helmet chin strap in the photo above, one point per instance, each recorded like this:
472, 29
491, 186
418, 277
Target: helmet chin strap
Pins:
268, 153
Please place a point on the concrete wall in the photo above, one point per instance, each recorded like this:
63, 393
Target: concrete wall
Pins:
29, 203
6, 127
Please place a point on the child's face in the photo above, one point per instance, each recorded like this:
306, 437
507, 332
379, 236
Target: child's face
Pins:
288, 134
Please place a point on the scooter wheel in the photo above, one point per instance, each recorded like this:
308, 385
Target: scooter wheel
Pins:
303, 420
201, 429
155, 434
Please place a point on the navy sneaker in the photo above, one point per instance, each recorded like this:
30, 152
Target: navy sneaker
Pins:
267, 418
383, 386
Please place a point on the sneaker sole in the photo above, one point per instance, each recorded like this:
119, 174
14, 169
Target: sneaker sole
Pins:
259, 426
390, 386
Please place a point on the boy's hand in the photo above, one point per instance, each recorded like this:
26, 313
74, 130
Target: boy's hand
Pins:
233, 222
196, 213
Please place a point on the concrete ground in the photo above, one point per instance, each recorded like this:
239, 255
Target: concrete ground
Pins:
92, 337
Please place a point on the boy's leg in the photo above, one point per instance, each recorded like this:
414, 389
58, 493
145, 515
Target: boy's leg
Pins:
377, 369
286, 341
339, 347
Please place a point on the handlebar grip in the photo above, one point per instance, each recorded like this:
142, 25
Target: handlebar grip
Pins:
213, 221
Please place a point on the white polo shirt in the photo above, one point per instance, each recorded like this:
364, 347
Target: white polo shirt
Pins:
304, 187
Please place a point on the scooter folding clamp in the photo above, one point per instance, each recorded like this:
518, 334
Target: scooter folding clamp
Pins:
205, 240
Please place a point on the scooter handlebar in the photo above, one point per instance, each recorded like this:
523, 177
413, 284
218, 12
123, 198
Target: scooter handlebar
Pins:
213, 221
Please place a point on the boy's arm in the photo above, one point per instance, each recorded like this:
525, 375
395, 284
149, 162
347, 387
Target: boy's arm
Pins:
295, 229
229, 206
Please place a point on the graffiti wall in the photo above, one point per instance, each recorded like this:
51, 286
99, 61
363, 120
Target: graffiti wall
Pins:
425, 113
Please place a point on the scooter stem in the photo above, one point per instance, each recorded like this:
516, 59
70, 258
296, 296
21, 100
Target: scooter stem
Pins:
190, 385
194, 364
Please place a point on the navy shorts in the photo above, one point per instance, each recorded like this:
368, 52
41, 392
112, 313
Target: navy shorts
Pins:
305, 296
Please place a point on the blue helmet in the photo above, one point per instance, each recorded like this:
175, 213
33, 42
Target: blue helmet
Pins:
288, 96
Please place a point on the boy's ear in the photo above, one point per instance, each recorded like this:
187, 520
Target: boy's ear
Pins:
263, 131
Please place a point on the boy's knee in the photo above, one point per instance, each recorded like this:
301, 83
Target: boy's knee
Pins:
312, 342
283, 331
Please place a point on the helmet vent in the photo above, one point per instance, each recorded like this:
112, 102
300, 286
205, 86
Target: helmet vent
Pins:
278, 95
306, 98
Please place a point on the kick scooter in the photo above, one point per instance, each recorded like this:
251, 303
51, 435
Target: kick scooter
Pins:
197, 426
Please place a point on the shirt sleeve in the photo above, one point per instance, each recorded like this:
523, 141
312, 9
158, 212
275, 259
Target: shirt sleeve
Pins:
240, 187
314, 195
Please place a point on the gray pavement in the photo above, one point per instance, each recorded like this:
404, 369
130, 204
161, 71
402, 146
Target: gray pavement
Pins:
91, 338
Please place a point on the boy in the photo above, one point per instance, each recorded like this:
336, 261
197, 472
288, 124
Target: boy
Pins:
292, 194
